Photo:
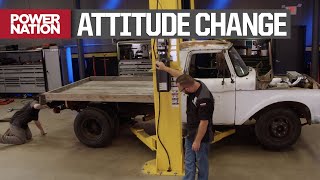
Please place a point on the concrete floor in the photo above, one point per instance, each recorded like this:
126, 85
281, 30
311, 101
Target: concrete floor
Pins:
60, 156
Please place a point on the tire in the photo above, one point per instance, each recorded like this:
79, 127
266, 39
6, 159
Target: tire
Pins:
93, 128
110, 114
114, 121
278, 129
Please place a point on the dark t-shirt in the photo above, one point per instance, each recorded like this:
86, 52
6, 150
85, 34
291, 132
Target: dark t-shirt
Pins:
200, 106
25, 115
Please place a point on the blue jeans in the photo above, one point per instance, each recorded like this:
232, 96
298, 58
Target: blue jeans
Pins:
201, 157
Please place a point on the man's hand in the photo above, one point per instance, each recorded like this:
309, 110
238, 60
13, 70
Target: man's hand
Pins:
196, 146
173, 72
202, 129
38, 124
43, 133
161, 66
39, 106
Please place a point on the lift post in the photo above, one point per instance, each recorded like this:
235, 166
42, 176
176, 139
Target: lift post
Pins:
169, 152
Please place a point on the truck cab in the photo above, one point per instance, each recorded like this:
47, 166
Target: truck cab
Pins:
220, 67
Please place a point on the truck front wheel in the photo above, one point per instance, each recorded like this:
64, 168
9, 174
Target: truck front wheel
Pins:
92, 127
278, 128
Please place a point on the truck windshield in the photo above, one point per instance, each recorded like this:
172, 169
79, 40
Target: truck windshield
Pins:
238, 64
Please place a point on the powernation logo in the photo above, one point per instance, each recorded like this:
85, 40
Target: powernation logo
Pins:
35, 24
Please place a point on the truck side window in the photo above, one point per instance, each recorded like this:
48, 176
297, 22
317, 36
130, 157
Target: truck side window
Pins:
209, 65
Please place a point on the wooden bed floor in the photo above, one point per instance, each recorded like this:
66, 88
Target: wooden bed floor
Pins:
113, 87
105, 91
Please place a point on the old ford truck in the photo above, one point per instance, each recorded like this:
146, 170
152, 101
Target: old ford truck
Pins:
278, 105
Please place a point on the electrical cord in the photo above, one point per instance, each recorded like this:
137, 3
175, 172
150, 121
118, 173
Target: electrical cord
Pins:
158, 122
169, 168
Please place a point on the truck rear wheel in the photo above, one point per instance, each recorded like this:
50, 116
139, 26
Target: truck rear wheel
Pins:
278, 128
93, 128
112, 115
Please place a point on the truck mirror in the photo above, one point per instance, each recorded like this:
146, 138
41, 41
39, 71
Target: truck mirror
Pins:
222, 83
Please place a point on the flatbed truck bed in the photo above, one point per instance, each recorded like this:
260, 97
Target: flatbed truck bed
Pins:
105, 89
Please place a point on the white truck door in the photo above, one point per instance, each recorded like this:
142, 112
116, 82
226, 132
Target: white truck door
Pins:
214, 71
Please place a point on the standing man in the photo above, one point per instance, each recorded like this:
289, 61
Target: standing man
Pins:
19, 132
200, 106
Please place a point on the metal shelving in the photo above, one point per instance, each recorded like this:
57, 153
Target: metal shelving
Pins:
26, 75
249, 50
134, 58
22, 79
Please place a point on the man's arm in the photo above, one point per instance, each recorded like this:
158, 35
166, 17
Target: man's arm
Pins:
202, 129
171, 71
205, 111
38, 124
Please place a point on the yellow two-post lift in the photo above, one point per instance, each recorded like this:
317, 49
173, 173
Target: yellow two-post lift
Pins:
168, 141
